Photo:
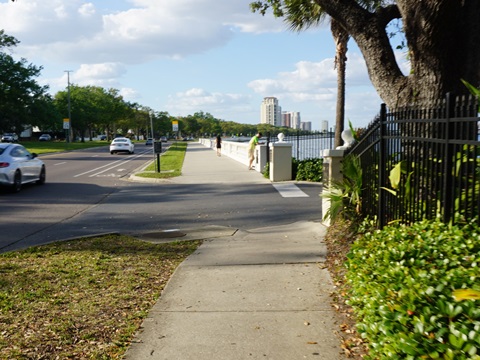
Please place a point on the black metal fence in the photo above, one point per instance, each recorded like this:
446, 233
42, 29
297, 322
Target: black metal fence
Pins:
422, 163
307, 146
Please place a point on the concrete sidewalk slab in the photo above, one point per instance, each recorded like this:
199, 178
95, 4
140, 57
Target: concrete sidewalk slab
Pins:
261, 294
203, 166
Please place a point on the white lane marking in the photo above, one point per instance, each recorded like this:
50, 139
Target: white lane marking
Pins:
60, 163
121, 161
289, 190
98, 168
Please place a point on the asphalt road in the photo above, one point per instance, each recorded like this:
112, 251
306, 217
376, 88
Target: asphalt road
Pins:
88, 192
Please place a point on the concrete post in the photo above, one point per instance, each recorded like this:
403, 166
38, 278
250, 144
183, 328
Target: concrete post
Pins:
261, 157
280, 160
332, 171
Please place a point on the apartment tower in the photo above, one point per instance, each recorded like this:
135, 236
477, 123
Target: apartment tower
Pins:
271, 112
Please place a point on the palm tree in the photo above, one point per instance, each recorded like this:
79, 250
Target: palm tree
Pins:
303, 14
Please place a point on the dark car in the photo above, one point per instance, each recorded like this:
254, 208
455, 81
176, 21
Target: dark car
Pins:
103, 137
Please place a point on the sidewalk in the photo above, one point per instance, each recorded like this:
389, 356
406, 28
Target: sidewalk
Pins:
257, 294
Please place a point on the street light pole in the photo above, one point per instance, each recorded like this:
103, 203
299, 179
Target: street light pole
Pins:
69, 109
153, 138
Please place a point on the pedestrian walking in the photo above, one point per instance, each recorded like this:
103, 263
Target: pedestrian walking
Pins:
218, 144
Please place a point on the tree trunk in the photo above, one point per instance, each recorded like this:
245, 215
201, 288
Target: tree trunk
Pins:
443, 38
340, 37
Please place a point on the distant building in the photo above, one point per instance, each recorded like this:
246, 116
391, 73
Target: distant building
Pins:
296, 120
306, 125
286, 118
271, 112
325, 126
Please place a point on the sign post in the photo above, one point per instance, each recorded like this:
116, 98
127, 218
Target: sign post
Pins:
66, 127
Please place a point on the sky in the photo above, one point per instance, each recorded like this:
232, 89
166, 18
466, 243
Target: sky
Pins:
188, 56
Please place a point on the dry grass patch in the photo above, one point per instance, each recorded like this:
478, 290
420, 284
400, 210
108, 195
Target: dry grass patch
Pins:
81, 299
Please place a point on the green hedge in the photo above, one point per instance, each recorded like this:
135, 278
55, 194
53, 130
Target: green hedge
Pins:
307, 170
401, 282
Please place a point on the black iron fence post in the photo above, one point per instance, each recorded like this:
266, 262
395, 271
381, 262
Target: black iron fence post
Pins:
268, 147
382, 167
448, 161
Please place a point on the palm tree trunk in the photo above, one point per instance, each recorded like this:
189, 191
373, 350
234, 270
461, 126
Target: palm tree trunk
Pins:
341, 38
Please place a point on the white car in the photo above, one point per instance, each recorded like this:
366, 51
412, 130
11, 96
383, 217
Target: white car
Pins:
121, 144
18, 166
10, 137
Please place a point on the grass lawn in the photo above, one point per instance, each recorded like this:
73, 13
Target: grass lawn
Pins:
171, 163
81, 299
42, 147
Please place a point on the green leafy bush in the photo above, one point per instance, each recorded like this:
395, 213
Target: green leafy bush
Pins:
345, 195
302, 170
308, 170
401, 282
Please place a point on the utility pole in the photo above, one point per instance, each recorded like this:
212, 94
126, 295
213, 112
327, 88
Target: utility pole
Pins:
69, 130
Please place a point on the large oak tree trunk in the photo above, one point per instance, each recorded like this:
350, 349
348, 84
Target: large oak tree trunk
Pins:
443, 39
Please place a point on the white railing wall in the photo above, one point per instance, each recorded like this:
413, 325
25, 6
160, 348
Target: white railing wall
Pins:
235, 150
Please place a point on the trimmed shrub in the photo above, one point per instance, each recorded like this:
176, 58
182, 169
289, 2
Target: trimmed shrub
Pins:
308, 170
401, 282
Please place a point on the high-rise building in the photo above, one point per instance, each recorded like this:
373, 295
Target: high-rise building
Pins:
296, 120
325, 125
306, 125
271, 112
286, 118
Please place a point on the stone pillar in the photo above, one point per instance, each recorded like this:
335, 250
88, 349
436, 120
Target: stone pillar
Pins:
332, 170
332, 167
280, 160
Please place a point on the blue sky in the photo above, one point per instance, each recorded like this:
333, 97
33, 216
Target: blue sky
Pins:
186, 56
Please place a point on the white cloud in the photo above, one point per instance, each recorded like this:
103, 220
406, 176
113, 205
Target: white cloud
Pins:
87, 10
130, 94
77, 31
196, 99
308, 81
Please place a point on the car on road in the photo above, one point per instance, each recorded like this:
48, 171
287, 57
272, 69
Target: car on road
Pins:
149, 141
44, 137
10, 137
163, 139
18, 167
121, 144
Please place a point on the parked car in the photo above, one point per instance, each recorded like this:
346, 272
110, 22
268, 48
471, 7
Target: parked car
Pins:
163, 139
10, 137
121, 144
149, 142
103, 137
45, 137
18, 166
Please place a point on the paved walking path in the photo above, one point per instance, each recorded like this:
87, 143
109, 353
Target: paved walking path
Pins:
257, 294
